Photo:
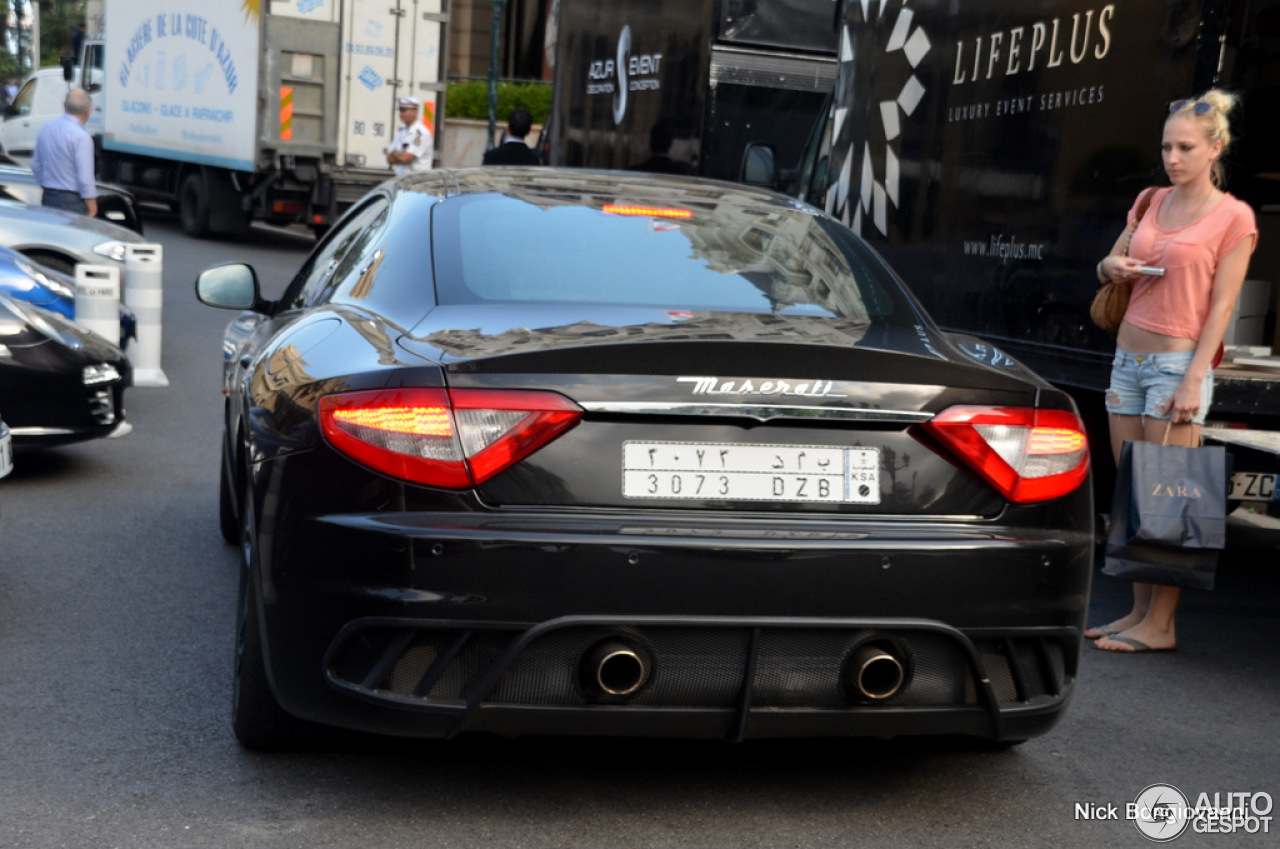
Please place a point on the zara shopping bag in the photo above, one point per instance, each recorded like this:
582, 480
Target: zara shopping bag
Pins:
1168, 520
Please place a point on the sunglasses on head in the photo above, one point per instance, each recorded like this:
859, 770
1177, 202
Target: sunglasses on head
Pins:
1200, 107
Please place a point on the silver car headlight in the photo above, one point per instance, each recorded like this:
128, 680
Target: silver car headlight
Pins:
100, 373
111, 250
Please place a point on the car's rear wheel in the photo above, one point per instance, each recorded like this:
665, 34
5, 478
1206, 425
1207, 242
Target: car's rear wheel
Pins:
259, 721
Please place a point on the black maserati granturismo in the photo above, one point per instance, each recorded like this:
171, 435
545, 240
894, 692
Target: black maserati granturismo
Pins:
569, 452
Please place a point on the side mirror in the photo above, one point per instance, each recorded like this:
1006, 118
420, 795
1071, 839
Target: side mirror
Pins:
759, 166
68, 64
231, 286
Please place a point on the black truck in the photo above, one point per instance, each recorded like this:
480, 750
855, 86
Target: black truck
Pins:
684, 85
990, 150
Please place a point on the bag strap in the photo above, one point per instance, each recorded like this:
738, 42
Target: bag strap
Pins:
1144, 203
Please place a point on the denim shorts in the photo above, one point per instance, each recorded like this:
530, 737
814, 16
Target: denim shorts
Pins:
1142, 383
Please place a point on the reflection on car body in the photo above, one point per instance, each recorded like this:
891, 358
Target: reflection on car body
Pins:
51, 290
566, 452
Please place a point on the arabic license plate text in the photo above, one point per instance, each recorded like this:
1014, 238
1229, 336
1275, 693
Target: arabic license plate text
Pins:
732, 472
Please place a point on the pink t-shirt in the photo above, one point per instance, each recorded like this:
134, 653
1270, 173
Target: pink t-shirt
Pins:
1177, 304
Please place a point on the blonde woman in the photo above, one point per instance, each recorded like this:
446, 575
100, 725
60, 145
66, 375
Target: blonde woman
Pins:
1166, 346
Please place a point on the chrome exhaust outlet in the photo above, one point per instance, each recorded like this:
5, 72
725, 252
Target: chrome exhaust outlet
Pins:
615, 668
874, 672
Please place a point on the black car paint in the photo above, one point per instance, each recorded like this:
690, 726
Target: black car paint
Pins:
42, 389
340, 557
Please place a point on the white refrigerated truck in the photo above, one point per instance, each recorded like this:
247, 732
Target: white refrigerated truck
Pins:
267, 110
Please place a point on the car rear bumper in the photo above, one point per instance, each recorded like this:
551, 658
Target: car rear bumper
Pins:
707, 677
432, 625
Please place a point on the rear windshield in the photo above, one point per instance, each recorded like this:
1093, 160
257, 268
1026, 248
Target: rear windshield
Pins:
731, 258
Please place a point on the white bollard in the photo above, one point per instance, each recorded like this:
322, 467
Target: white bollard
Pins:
98, 300
144, 293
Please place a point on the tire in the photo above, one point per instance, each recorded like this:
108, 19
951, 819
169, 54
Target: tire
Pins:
193, 207
228, 521
259, 722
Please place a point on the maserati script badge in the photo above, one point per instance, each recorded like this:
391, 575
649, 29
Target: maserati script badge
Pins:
795, 388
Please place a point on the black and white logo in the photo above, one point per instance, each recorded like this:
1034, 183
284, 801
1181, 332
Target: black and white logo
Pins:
622, 73
872, 109
1161, 812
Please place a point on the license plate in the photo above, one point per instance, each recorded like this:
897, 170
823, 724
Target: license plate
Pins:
6, 455
735, 472
1253, 486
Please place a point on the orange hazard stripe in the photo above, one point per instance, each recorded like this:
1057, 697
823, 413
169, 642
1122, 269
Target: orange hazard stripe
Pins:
286, 113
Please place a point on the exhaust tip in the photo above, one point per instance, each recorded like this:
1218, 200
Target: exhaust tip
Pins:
875, 672
615, 668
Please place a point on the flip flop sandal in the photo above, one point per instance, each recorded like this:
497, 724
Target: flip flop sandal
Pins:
1138, 646
1099, 633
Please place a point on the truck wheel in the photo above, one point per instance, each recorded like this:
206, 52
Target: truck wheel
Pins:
193, 207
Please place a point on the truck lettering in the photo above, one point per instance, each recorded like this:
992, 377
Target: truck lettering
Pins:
1090, 37
202, 113
601, 69
219, 47
139, 107
197, 28
645, 64
141, 38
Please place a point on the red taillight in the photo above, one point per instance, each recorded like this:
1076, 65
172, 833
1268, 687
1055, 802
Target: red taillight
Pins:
451, 438
1028, 455
646, 211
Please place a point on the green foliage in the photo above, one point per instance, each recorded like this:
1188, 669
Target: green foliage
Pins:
470, 99
58, 18
9, 66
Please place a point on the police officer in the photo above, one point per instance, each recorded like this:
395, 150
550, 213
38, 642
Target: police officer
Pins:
413, 145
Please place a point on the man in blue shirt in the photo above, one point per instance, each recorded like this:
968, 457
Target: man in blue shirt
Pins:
63, 158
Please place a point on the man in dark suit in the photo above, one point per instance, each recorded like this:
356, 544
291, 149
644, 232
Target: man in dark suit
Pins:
514, 150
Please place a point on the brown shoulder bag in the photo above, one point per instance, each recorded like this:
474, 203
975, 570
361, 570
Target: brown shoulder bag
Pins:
1111, 301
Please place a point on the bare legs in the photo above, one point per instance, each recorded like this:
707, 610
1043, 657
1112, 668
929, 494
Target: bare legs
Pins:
1155, 606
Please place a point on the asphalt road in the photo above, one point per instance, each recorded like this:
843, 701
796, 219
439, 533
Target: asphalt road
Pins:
116, 615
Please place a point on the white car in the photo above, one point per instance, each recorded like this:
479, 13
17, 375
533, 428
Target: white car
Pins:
38, 101
59, 240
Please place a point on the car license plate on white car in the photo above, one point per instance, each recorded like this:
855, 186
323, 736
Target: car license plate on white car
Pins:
1253, 486
734, 472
